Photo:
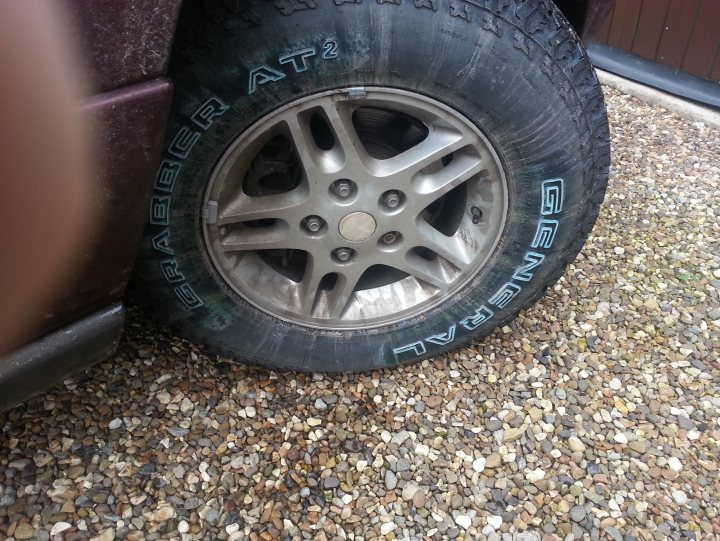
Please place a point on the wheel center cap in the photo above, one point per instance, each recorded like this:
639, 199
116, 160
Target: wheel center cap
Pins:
357, 226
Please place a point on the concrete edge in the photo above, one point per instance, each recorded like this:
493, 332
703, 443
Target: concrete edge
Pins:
684, 108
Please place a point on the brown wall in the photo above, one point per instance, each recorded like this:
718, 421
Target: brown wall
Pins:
683, 34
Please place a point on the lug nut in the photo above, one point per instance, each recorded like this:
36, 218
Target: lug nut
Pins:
343, 188
391, 199
343, 254
389, 238
313, 224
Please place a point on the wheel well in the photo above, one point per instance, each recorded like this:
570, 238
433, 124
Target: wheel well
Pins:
574, 11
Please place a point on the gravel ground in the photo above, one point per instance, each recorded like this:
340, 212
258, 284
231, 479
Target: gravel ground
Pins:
594, 415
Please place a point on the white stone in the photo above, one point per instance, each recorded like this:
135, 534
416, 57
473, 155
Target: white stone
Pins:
59, 527
478, 464
495, 521
575, 444
463, 521
314, 421
680, 497
399, 438
107, 535
408, 491
163, 513
320, 404
183, 526
186, 406
421, 449
620, 438
487, 530
615, 384
115, 424
674, 464
361, 465
387, 527
535, 475
250, 411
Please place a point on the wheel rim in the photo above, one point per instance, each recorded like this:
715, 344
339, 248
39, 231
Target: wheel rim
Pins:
354, 208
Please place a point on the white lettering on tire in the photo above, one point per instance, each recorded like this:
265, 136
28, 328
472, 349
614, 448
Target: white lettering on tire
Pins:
550, 208
179, 148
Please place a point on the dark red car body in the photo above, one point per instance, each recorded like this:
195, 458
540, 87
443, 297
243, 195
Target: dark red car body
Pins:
126, 47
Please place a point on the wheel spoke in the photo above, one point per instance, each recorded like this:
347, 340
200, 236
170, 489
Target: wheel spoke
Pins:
310, 284
452, 249
422, 269
260, 238
338, 298
307, 151
430, 187
439, 143
245, 208
339, 119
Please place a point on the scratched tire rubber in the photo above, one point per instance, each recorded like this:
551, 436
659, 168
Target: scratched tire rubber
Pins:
515, 67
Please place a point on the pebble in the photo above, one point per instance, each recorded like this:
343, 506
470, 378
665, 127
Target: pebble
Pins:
577, 513
59, 527
24, 531
511, 434
331, 482
178, 432
106, 535
161, 514
409, 490
495, 521
390, 480
463, 521
186, 406
535, 475
680, 497
576, 445
419, 499
493, 461
320, 404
